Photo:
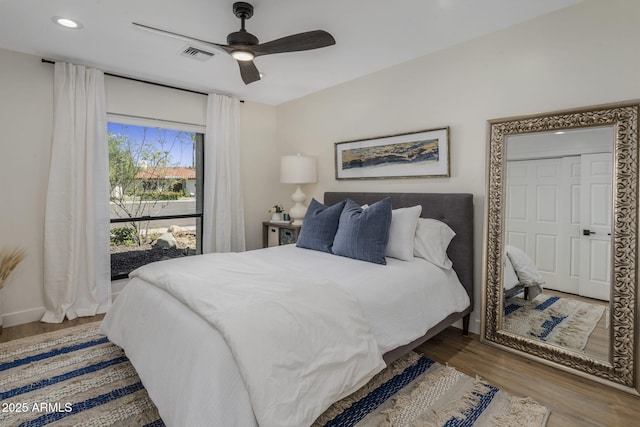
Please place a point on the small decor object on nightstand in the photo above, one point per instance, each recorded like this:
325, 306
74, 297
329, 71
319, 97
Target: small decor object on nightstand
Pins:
276, 212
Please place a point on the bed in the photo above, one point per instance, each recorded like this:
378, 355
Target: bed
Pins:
198, 374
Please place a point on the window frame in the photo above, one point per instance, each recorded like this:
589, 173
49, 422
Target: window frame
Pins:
199, 166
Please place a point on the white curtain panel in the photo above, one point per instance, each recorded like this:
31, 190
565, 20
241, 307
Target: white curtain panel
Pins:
223, 207
77, 278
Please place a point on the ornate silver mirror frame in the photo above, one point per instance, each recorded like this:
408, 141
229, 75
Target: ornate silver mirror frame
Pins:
621, 367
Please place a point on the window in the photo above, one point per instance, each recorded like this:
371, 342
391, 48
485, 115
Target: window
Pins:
155, 178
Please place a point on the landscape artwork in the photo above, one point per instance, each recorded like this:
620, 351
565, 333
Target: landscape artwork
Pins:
421, 154
404, 153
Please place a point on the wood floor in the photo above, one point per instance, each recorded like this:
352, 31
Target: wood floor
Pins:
573, 401
35, 328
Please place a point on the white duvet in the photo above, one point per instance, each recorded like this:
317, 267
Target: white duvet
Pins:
286, 332
192, 370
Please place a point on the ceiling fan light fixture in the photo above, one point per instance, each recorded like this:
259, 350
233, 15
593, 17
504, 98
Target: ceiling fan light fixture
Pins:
244, 46
242, 55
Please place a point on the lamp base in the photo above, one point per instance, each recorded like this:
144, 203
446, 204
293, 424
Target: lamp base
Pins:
298, 211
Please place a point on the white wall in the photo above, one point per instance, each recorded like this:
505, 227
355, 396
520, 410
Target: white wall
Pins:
260, 167
26, 114
580, 56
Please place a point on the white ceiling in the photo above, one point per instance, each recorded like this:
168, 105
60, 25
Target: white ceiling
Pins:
370, 35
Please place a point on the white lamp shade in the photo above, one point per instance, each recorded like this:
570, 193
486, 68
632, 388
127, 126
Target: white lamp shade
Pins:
298, 169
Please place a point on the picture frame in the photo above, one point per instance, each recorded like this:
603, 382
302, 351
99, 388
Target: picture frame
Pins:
422, 154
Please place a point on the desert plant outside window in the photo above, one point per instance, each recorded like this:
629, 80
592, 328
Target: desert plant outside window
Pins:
156, 182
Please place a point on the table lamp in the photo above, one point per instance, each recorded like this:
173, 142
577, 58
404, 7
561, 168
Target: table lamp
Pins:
298, 170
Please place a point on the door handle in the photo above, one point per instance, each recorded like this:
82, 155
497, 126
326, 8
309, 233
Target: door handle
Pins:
587, 232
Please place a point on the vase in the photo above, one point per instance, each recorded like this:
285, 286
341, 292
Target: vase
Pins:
276, 216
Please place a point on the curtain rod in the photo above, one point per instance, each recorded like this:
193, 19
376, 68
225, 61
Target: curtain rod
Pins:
48, 61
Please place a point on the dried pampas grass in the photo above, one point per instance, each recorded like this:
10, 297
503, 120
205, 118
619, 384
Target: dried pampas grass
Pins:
9, 259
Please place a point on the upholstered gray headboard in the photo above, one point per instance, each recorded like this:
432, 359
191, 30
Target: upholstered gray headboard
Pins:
454, 209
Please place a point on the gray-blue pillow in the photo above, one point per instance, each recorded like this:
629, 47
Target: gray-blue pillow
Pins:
319, 226
363, 233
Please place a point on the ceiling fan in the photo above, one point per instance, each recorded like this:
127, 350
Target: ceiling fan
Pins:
244, 46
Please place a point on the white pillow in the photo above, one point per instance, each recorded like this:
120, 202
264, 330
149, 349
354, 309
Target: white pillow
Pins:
402, 232
525, 268
510, 278
432, 240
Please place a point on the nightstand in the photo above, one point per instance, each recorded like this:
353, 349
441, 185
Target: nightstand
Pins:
279, 233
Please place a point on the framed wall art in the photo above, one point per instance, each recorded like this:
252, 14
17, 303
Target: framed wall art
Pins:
411, 155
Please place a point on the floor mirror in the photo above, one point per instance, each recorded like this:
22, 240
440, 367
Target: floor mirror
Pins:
561, 240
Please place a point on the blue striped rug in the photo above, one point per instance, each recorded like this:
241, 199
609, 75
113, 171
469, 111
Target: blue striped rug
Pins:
76, 377
416, 391
565, 322
71, 377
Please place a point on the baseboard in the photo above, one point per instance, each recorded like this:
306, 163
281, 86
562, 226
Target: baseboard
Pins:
476, 325
35, 314
20, 317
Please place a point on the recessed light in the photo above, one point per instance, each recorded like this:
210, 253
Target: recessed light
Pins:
66, 22
560, 132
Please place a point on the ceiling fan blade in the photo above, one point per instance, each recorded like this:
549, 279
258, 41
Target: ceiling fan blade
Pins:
178, 36
295, 43
248, 71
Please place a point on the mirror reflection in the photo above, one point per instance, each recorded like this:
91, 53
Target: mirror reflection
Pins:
562, 240
557, 238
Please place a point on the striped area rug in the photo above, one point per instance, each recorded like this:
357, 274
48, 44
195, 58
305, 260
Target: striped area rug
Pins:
76, 377
565, 322
71, 377
416, 391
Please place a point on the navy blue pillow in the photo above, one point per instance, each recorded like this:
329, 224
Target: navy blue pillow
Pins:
363, 233
319, 226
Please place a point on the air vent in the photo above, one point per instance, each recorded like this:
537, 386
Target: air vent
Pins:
195, 53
